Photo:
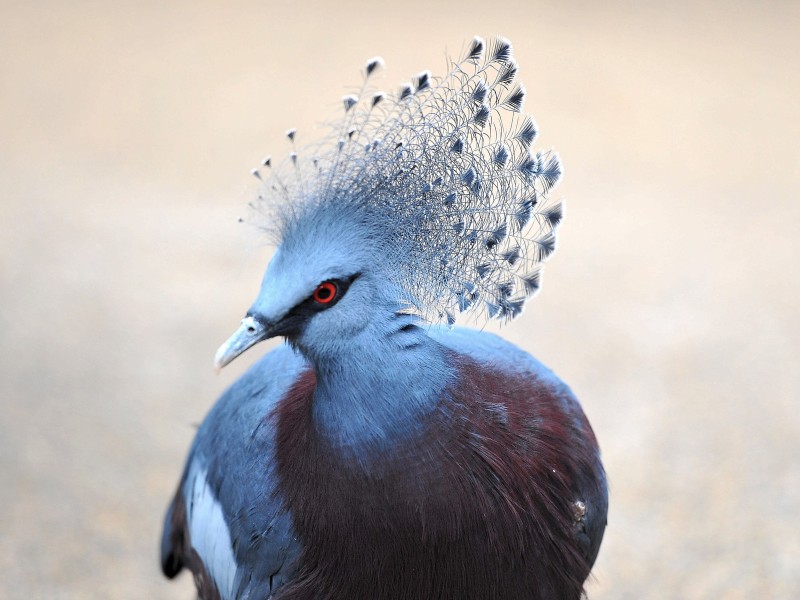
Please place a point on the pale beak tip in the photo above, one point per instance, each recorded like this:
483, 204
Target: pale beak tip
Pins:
222, 357
250, 332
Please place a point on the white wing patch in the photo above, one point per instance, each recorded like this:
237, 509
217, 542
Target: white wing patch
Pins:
209, 533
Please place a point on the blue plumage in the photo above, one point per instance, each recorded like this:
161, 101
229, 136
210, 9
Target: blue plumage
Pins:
377, 455
439, 167
234, 451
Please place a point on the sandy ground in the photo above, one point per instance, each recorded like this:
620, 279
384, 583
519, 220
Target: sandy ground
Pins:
127, 131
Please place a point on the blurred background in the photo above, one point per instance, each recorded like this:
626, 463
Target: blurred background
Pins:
127, 132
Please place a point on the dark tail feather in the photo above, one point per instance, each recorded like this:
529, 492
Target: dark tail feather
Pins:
171, 543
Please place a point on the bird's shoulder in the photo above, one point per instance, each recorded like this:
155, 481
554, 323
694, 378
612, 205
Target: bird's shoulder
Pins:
493, 352
226, 522
490, 367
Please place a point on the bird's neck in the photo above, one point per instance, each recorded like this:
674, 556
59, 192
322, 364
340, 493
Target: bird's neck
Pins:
376, 390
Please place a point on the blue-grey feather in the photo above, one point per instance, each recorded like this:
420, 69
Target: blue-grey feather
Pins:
236, 445
527, 131
422, 81
547, 245
373, 64
512, 256
500, 50
480, 91
531, 282
468, 176
505, 289
475, 51
553, 215
507, 74
403, 150
515, 99
481, 115
500, 157
550, 171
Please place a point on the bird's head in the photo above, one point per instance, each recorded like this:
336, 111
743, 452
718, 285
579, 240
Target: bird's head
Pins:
429, 200
322, 287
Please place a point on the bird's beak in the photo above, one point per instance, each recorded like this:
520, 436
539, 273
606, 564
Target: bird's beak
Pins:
250, 332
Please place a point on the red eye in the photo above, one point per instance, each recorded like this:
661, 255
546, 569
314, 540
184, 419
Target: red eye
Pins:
325, 292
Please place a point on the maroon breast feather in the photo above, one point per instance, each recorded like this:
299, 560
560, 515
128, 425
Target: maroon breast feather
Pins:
485, 502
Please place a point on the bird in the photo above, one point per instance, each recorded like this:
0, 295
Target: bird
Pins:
384, 451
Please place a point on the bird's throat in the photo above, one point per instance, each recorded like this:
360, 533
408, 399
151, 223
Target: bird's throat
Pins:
373, 398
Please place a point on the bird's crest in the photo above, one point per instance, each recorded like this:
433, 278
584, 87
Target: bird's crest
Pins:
443, 175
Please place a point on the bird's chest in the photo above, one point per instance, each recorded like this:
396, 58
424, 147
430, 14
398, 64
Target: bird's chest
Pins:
402, 515
468, 500
393, 488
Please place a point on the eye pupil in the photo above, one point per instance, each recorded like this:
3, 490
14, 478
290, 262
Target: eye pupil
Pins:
325, 292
